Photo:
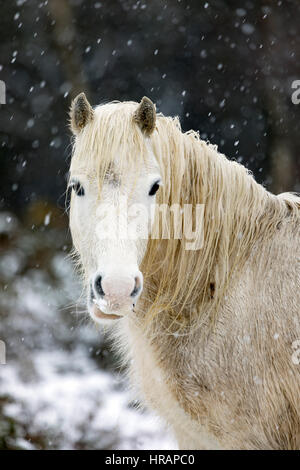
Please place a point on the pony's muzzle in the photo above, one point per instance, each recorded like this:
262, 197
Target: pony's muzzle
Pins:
117, 293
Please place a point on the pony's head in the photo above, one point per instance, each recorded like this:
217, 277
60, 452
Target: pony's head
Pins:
114, 178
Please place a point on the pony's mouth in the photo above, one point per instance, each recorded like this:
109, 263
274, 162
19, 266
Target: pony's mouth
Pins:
102, 311
98, 314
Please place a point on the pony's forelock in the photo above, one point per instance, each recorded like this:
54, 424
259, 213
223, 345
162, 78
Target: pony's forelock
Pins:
111, 134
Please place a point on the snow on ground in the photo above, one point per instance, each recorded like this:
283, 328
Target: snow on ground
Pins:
60, 388
85, 407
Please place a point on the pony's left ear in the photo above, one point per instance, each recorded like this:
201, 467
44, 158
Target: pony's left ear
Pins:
145, 115
81, 113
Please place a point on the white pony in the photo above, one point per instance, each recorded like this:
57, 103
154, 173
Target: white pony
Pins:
212, 333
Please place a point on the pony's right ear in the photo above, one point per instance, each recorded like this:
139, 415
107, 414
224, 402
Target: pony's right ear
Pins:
80, 114
145, 116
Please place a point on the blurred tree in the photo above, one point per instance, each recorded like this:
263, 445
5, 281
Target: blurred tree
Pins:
63, 37
282, 145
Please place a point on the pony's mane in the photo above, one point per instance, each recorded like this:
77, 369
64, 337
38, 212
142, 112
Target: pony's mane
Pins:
186, 286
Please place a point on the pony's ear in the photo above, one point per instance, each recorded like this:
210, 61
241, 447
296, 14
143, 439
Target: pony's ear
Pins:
145, 115
81, 113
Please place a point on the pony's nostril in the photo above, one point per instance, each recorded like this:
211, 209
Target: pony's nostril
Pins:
92, 295
98, 286
137, 287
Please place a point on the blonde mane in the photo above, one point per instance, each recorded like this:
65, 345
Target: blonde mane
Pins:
187, 286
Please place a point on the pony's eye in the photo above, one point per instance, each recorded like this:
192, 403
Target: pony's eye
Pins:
154, 189
78, 189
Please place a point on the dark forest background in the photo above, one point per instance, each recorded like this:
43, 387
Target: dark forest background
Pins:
225, 67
